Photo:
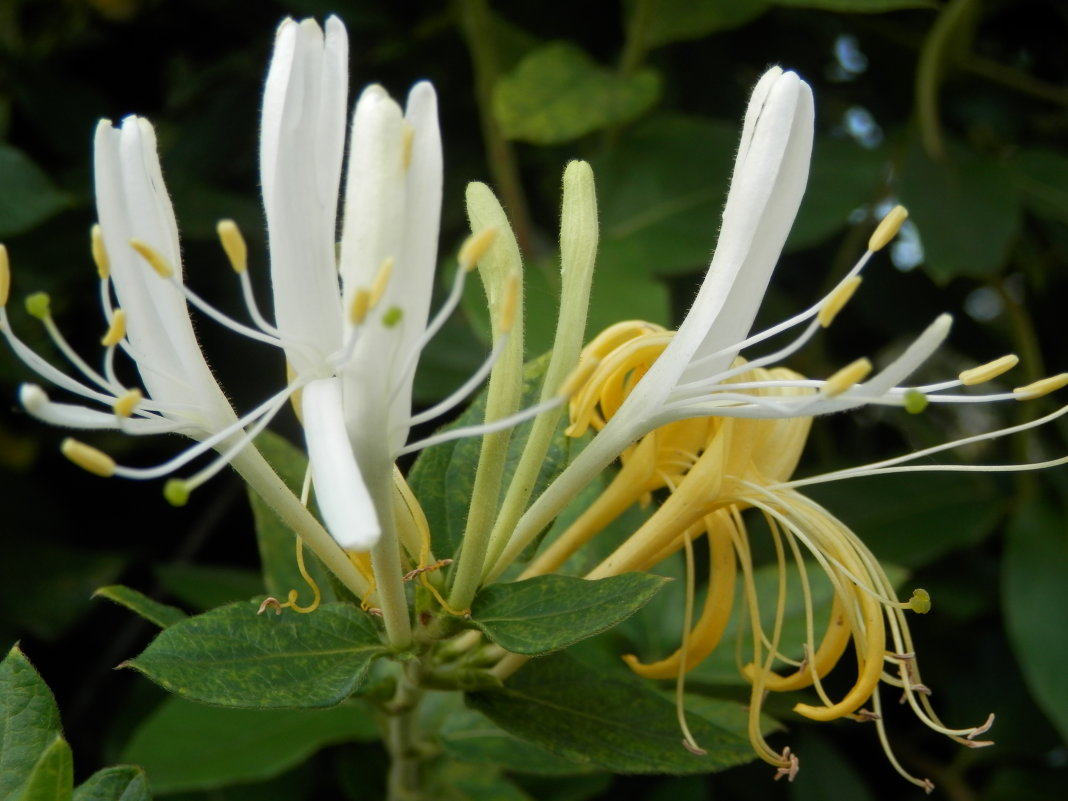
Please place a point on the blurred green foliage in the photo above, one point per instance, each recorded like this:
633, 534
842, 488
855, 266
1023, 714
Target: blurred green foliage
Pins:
956, 108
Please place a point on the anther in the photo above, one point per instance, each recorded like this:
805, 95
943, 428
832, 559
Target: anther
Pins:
177, 492
887, 228
39, 305
153, 257
475, 247
846, 378
981, 729
233, 244
1040, 388
378, 286
126, 404
5, 276
510, 303
406, 146
915, 401
270, 602
920, 602
88, 458
116, 331
100, 254
361, 304
989, 371
838, 298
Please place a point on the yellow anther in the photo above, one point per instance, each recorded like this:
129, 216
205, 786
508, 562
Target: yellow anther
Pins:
509, 303
578, 377
361, 304
126, 404
406, 146
116, 331
5, 276
989, 371
1040, 388
153, 257
888, 228
838, 298
88, 458
100, 253
233, 244
378, 286
847, 377
475, 247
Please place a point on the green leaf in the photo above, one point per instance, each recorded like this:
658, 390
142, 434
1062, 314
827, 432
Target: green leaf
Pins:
52, 778
442, 477
844, 176
684, 20
966, 210
618, 723
558, 93
661, 194
204, 587
1042, 178
29, 723
119, 783
1035, 590
460, 782
162, 615
943, 513
857, 6
29, 197
187, 746
275, 539
468, 736
234, 657
547, 613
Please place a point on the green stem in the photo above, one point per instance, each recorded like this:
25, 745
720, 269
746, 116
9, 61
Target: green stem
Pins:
476, 25
259, 475
386, 563
931, 68
404, 781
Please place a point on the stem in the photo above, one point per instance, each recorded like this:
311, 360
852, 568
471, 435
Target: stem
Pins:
476, 25
386, 563
929, 72
255, 470
404, 782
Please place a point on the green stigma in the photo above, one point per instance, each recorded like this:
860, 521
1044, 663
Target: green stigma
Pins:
920, 602
39, 305
392, 316
915, 401
176, 491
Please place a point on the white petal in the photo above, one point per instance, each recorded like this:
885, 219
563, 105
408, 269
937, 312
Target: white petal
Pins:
132, 203
301, 149
919, 351
343, 499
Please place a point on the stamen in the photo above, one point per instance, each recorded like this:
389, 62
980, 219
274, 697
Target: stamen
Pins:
126, 404
378, 286
233, 244
153, 257
361, 304
406, 145
88, 458
100, 253
510, 303
888, 228
838, 298
475, 247
1041, 387
989, 371
846, 378
116, 331
5, 276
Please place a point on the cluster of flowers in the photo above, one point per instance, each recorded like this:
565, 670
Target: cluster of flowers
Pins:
683, 412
